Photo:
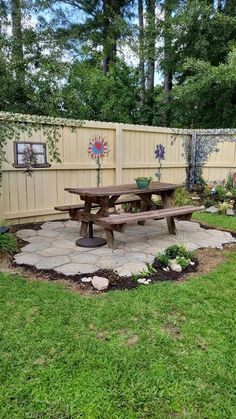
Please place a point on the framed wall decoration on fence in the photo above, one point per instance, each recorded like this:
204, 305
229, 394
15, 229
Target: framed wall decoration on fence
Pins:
30, 154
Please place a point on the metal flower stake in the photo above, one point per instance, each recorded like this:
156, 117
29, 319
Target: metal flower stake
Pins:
160, 155
98, 149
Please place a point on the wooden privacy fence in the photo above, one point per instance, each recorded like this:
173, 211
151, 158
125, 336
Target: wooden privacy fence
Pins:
131, 154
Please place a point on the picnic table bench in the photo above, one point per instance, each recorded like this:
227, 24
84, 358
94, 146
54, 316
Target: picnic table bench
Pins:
118, 222
103, 198
75, 208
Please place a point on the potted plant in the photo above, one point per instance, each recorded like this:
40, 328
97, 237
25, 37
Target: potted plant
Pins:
143, 182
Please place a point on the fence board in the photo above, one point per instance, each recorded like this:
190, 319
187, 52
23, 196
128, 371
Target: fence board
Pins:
131, 154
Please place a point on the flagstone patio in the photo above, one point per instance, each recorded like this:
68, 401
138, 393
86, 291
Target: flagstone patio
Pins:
53, 246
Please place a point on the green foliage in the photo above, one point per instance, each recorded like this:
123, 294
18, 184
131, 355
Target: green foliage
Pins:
178, 250
163, 259
181, 197
230, 181
182, 261
8, 244
223, 207
221, 191
208, 202
91, 95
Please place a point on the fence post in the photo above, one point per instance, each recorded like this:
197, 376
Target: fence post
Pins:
192, 169
119, 153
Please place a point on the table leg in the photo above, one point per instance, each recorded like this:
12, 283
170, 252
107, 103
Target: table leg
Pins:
166, 201
84, 225
146, 204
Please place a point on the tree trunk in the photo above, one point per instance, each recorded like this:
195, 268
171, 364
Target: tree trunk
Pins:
141, 51
17, 42
168, 63
150, 40
109, 35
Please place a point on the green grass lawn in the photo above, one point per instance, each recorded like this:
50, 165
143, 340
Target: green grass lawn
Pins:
216, 220
63, 355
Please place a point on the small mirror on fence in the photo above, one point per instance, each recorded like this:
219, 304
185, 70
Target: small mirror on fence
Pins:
30, 155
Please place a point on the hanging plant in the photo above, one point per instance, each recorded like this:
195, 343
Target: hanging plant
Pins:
98, 149
13, 125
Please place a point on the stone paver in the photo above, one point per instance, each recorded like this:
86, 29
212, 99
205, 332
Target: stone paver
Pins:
52, 262
34, 247
22, 234
52, 225
53, 247
76, 268
131, 268
27, 258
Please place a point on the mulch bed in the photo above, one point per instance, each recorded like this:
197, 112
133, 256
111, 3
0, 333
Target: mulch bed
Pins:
116, 282
206, 260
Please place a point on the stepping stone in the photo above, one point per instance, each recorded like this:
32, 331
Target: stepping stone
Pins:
27, 258
55, 251
52, 225
71, 223
131, 268
47, 233
34, 247
52, 262
23, 234
76, 268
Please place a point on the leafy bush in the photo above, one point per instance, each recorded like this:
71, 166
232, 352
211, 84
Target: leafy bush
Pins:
163, 259
8, 244
182, 261
230, 182
220, 190
178, 250
208, 202
181, 197
223, 207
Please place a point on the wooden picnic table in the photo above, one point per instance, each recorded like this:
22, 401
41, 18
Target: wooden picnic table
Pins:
106, 196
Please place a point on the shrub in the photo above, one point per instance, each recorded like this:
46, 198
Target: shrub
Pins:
181, 197
178, 250
230, 182
220, 190
182, 261
163, 259
208, 202
223, 207
8, 244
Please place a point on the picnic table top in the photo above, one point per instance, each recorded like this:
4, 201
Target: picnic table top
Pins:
154, 187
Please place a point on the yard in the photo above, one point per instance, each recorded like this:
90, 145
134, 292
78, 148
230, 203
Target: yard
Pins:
163, 351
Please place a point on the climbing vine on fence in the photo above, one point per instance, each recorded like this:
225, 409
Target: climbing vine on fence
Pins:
198, 146
13, 125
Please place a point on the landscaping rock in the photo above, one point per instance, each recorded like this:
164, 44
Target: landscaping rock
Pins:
144, 281
86, 279
131, 268
175, 266
100, 283
212, 210
230, 212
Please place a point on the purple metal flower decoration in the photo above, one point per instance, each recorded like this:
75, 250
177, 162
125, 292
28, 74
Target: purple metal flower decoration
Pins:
160, 152
160, 155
